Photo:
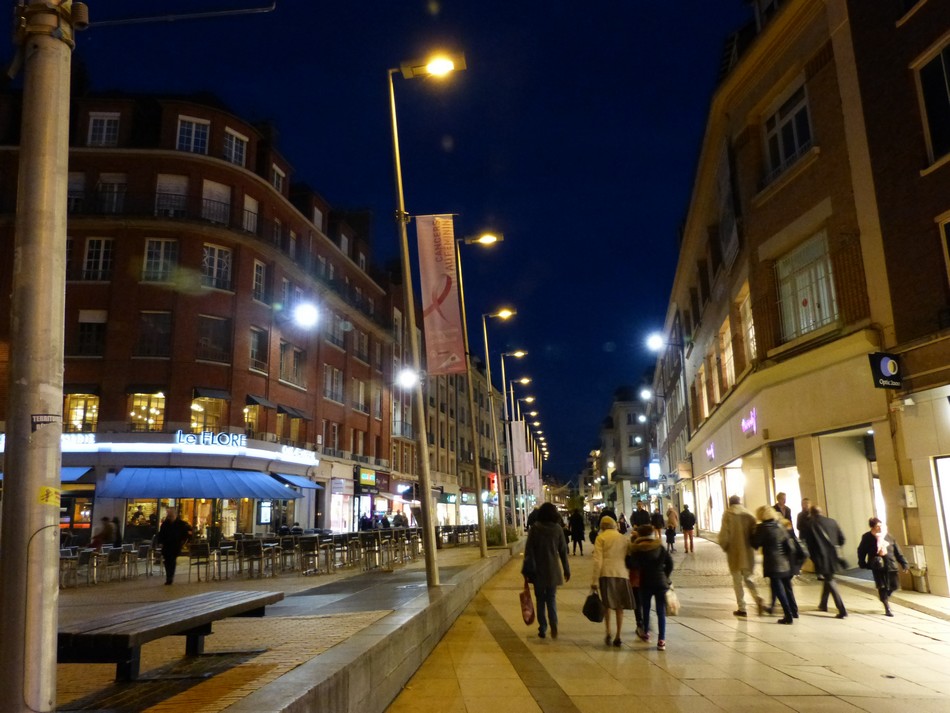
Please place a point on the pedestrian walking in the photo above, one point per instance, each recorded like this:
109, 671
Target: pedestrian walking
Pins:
104, 534
672, 522
656, 519
777, 554
878, 552
641, 516
172, 535
823, 538
735, 539
610, 575
576, 524
655, 565
545, 556
803, 519
687, 523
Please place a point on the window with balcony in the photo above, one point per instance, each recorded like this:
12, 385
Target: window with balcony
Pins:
935, 87
787, 134
235, 147
161, 259
147, 411
216, 202
332, 383
359, 396
171, 195
336, 333
286, 293
259, 288
362, 346
110, 193
214, 339
103, 128
258, 349
252, 210
377, 403
208, 414
98, 262
193, 134
92, 333
154, 334
293, 362
76, 192
82, 413
806, 289
216, 267
727, 367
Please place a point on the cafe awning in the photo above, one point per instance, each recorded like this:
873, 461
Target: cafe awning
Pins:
133, 483
255, 400
298, 481
68, 475
202, 392
292, 412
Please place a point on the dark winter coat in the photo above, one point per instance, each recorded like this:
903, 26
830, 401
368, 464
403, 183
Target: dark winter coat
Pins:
687, 520
776, 546
576, 523
546, 545
867, 550
652, 560
640, 517
822, 536
656, 519
172, 536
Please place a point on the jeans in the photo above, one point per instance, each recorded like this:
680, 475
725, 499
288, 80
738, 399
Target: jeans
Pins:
659, 594
782, 590
546, 606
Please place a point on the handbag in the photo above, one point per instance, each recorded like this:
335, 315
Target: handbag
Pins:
593, 608
672, 602
877, 562
527, 605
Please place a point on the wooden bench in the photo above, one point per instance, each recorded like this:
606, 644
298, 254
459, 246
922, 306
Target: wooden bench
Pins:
118, 637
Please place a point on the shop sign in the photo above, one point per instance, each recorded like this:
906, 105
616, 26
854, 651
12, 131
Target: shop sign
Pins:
448, 498
366, 477
749, 424
337, 486
711, 451
468, 498
382, 481
299, 455
886, 370
212, 438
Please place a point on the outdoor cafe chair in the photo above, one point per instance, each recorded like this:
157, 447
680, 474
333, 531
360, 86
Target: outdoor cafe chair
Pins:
199, 555
252, 551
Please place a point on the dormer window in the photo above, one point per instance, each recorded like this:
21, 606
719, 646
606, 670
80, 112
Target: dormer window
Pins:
193, 135
235, 147
103, 128
277, 178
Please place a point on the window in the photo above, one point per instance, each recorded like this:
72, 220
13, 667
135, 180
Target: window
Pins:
82, 413
359, 396
321, 266
935, 86
208, 414
332, 383
259, 291
336, 333
286, 292
161, 258
258, 347
171, 195
292, 364
344, 244
318, 217
110, 193
377, 355
292, 245
726, 362
787, 133
251, 212
193, 135
806, 290
155, 334
97, 264
214, 339
277, 178
235, 147
147, 411
76, 192
92, 332
702, 395
103, 128
276, 235
361, 261
377, 403
747, 325
216, 202
252, 419
362, 346
216, 267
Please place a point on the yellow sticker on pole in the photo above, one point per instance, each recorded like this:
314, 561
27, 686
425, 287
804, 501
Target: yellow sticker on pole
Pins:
49, 496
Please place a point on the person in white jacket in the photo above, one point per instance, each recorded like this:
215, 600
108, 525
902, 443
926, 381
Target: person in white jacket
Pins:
610, 575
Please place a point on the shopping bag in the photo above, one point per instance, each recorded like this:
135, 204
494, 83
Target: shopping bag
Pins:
672, 602
593, 607
527, 605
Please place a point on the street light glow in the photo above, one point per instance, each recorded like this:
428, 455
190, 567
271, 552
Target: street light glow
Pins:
523, 380
528, 399
440, 66
306, 315
504, 313
642, 418
646, 394
407, 378
656, 342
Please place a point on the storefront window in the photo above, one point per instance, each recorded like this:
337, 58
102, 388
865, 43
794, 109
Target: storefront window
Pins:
82, 413
147, 411
252, 419
207, 414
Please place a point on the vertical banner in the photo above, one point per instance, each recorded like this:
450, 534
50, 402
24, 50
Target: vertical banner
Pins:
441, 314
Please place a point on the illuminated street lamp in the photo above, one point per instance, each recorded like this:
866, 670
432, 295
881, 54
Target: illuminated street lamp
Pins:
515, 477
306, 315
434, 67
503, 314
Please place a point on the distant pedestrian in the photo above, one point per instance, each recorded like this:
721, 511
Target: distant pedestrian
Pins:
672, 522
610, 575
735, 538
655, 566
576, 523
104, 534
823, 538
776, 545
117, 533
641, 516
384, 523
801, 522
622, 524
545, 556
878, 552
172, 535
687, 523
781, 508
656, 519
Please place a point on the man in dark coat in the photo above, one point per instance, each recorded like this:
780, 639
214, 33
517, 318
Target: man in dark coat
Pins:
824, 537
545, 555
641, 516
172, 535
576, 523
687, 524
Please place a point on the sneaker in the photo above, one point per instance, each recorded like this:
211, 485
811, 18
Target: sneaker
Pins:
644, 635
661, 645
821, 608
740, 612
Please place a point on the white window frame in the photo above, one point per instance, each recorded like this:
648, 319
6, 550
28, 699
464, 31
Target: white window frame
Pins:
99, 259
235, 147
783, 142
259, 287
103, 128
278, 178
807, 299
160, 260
216, 265
193, 134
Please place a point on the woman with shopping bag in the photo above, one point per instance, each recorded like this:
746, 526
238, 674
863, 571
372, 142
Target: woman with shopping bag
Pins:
545, 546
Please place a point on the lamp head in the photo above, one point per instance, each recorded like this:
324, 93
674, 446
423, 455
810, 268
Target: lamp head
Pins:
484, 239
306, 315
523, 380
438, 65
656, 342
407, 379
646, 394
503, 313
528, 399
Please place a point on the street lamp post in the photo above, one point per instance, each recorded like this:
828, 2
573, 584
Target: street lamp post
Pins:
436, 67
500, 314
508, 425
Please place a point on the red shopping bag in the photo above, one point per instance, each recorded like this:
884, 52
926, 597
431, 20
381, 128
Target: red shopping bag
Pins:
527, 605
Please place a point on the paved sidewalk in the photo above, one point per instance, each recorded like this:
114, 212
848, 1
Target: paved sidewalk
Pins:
489, 660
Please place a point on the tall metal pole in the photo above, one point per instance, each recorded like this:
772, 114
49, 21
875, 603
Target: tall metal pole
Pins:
494, 433
509, 457
29, 540
472, 413
422, 441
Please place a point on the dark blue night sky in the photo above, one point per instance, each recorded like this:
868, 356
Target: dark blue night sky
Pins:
575, 131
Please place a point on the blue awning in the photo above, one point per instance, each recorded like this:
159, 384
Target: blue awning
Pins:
132, 483
68, 475
298, 480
